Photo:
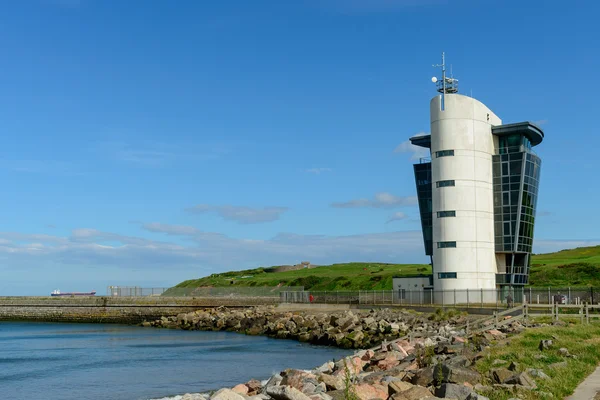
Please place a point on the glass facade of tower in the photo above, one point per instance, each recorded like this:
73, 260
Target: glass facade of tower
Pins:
516, 177
424, 194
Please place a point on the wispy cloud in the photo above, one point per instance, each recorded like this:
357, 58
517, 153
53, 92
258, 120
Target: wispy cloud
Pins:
317, 171
397, 216
381, 200
541, 122
415, 151
157, 154
176, 230
544, 213
46, 167
243, 215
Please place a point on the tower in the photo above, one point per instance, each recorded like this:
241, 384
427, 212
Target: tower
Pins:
477, 193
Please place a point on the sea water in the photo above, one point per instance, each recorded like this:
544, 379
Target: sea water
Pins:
95, 361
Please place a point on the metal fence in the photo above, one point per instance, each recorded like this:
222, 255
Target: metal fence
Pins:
231, 292
133, 291
502, 297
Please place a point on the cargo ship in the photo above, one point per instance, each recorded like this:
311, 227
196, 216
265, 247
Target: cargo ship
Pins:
57, 293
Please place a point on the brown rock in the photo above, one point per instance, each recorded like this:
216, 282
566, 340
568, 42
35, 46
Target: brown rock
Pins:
297, 379
368, 355
398, 387
331, 382
240, 389
500, 375
496, 334
254, 386
368, 392
417, 393
388, 363
423, 377
522, 379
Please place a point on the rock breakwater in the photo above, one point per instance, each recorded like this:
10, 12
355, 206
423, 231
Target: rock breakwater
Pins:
345, 329
439, 366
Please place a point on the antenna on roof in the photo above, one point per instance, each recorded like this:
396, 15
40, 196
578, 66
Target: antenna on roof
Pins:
446, 85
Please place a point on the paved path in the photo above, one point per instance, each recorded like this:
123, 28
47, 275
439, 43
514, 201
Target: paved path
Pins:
588, 389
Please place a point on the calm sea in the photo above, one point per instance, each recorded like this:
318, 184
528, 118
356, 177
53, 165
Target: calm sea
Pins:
85, 361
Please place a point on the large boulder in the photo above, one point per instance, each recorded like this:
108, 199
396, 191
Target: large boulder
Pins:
285, 393
522, 379
398, 387
414, 393
448, 373
304, 381
226, 394
369, 392
500, 375
423, 377
331, 382
453, 391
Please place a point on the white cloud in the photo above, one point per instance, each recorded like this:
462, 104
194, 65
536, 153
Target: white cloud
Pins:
181, 230
397, 216
209, 250
317, 171
242, 215
415, 151
381, 200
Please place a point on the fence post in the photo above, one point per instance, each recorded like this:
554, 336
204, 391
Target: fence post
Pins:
495, 319
581, 314
481, 298
587, 313
549, 301
467, 298
443, 299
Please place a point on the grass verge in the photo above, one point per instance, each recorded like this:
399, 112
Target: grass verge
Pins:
582, 341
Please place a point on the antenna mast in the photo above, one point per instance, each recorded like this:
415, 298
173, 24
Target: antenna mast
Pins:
447, 85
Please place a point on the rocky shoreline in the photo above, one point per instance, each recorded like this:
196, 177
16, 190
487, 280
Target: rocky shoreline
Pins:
436, 361
344, 329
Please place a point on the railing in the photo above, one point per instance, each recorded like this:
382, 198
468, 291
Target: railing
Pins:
230, 292
482, 298
133, 291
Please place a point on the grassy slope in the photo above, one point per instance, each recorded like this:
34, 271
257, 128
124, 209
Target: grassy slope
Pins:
576, 267
351, 276
581, 340
573, 267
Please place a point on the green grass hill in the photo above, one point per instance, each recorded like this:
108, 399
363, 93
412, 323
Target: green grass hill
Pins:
574, 267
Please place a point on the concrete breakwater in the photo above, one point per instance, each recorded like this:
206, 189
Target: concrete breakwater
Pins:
346, 329
124, 310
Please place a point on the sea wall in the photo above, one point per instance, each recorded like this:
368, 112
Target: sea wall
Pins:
129, 310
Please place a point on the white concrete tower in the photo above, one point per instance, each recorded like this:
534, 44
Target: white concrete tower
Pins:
477, 196
462, 146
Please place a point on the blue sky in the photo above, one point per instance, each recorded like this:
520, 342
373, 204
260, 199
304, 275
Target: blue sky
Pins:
148, 142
